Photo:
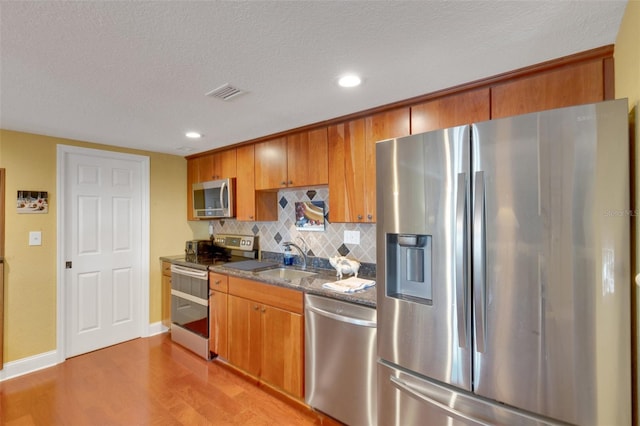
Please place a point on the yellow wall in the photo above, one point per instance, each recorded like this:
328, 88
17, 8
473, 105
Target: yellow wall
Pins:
627, 66
30, 271
627, 55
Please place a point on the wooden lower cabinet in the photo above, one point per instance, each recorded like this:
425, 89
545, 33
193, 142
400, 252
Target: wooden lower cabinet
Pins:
245, 334
267, 341
218, 319
166, 294
282, 349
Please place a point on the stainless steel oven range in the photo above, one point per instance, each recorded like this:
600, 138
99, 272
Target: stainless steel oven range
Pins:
190, 286
190, 308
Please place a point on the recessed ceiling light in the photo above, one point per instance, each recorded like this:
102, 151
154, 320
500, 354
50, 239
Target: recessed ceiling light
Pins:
350, 80
193, 135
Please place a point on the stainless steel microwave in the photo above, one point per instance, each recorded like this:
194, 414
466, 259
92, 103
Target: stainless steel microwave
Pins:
214, 199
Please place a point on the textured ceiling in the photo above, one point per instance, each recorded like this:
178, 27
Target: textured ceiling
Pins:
135, 73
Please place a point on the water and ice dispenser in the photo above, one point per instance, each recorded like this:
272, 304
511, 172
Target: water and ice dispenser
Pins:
409, 267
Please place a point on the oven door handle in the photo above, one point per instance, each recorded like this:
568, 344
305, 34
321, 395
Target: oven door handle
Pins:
196, 273
189, 297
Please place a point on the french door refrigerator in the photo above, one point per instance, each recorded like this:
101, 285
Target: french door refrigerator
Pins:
504, 272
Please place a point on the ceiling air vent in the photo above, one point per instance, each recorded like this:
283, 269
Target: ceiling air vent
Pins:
225, 92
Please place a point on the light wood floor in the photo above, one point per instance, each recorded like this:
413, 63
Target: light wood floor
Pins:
148, 381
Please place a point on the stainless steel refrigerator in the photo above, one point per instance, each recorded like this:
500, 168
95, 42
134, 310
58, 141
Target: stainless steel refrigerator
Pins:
504, 272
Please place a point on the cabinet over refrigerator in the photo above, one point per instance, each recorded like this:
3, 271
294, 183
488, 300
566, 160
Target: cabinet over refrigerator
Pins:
504, 272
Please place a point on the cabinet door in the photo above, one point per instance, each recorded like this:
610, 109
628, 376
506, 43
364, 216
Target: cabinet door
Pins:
192, 177
282, 350
166, 300
218, 342
307, 162
455, 110
386, 125
346, 171
204, 166
271, 164
573, 85
224, 164
245, 184
244, 338
218, 165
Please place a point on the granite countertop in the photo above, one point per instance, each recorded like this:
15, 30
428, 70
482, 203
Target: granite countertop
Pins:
311, 284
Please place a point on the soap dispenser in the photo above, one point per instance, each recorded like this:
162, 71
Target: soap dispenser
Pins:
288, 256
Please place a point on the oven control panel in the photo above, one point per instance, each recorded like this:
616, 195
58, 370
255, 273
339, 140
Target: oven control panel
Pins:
236, 242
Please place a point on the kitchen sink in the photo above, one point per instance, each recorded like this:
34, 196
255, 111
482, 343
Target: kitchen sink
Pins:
285, 273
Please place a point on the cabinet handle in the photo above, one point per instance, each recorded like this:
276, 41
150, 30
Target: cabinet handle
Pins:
290, 182
250, 217
264, 310
369, 216
283, 183
217, 282
359, 217
255, 308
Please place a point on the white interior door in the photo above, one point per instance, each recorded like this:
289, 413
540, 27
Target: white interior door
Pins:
103, 248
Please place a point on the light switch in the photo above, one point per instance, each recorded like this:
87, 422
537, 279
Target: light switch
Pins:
35, 238
352, 237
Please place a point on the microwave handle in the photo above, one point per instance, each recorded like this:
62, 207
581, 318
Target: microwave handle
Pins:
224, 184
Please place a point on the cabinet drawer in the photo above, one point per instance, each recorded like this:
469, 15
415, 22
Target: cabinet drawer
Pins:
218, 282
272, 295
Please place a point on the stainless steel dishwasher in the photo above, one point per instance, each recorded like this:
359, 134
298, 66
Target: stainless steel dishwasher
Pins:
340, 359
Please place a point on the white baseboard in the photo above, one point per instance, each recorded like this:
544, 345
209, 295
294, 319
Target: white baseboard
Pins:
156, 328
49, 359
28, 365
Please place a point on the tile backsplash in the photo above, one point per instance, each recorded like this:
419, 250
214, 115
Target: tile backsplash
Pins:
323, 244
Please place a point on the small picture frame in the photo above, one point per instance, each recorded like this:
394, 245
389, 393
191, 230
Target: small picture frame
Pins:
310, 215
32, 202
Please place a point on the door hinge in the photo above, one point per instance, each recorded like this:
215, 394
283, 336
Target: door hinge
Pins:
67, 265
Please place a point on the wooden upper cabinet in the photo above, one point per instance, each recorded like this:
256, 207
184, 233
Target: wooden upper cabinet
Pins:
454, 110
346, 171
307, 158
245, 184
252, 205
296, 160
218, 165
271, 164
352, 163
571, 85
386, 125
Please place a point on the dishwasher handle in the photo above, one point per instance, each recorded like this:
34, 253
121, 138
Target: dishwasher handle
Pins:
342, 318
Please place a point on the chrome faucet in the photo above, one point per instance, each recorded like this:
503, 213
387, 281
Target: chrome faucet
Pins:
302, 253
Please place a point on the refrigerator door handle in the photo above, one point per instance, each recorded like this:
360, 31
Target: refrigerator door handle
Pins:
461, 259
480, 261
406, 387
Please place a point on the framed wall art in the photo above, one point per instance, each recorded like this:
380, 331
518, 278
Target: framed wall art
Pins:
310, 215
33, 202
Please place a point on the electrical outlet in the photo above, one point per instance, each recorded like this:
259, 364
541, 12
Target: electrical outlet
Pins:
352, 237
35, 238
